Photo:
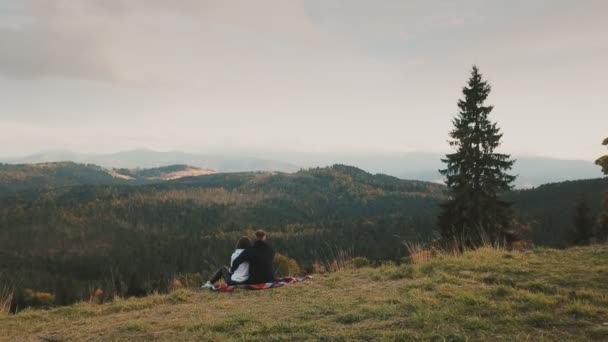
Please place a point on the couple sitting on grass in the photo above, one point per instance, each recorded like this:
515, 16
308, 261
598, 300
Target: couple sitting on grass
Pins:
249, 264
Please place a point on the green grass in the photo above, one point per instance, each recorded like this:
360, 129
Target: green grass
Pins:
488, 294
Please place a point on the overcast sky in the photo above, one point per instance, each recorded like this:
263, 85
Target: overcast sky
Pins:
302, 75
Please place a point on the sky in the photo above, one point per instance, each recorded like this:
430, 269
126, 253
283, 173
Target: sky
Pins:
315, 76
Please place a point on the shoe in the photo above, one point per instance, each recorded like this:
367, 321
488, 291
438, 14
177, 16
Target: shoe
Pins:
208, 285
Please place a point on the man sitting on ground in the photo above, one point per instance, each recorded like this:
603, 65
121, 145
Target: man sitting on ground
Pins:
260, 258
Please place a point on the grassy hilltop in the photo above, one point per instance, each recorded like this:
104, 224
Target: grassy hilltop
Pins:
488, 294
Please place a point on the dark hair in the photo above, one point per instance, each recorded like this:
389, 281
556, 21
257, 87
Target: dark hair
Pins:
243, 243
260, 234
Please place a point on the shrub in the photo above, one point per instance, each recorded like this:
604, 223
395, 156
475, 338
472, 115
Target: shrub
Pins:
96, 296
38, 299
285, 266
360, 262
319, 268
192, 280
187, 280
176, 284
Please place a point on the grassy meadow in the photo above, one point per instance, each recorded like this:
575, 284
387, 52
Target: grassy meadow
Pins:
487, 294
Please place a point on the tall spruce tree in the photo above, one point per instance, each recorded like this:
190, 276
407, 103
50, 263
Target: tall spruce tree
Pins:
603, 161
583, 223
475, 174
602, 232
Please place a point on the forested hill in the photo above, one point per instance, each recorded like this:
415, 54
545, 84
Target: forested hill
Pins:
16, 178
74, 227
75, 237
218, 201
19, 177
550, 208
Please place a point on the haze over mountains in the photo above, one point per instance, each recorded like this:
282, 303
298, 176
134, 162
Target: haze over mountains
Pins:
532, 171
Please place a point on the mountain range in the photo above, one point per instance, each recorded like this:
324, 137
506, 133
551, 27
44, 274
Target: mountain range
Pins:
66, 227
531, 171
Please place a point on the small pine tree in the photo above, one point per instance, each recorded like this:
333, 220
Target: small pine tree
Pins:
583, 223
603, 161
475, 174
602, 232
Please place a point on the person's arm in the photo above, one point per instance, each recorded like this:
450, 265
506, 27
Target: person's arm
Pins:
244, 256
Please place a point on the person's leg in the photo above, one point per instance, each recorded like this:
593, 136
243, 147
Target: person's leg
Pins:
226, 275
216, 277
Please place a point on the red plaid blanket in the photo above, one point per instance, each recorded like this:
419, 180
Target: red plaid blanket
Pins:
277, 283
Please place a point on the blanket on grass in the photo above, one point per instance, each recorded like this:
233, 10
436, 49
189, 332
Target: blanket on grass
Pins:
277, 283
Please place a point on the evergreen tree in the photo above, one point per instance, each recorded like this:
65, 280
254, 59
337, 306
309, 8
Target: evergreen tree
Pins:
602, 232
603, 161
583, 223
475, 174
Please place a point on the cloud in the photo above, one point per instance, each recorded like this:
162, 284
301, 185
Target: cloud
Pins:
204, 43
162, 41
61, 38
136, 40
356, 73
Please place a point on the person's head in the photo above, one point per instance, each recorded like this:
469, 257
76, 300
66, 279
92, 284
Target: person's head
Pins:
260, 235
243, 243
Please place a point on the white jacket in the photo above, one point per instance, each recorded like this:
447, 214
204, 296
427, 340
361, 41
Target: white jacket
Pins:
242, 272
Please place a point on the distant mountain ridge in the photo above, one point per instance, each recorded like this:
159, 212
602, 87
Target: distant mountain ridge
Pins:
170, 172
142, 158
50, 175
531, 171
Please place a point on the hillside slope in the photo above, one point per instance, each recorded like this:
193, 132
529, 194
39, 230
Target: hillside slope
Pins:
550, 208
170, 172
541, 295
34, 178
75, 237
143, 158
23, 177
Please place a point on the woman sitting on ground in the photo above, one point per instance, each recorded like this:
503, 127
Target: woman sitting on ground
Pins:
240, 275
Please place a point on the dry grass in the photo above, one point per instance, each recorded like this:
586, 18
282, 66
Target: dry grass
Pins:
336, 260
418, 254
486, 294
6, 297
421, 254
